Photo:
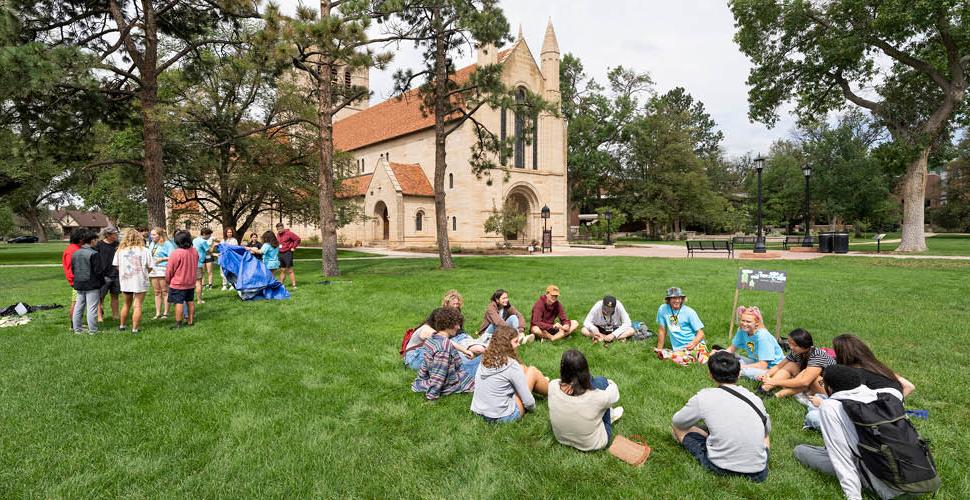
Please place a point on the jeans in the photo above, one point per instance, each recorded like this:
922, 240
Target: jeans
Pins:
512, 321
506, 419
87, 299
601, 383
751, 373
817, 458
696, 445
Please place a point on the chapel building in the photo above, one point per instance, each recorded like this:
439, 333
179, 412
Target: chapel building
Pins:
392, 144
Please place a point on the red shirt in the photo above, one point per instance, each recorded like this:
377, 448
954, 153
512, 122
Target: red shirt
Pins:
66, 262
544, 314
181, 269
288, 240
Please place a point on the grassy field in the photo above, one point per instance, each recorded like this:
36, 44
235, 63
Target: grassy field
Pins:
940, 244
308, 397
50, 253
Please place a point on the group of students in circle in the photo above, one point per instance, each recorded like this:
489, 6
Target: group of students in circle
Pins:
734, 439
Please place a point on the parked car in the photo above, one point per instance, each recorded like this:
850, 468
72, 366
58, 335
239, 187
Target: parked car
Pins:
23, 239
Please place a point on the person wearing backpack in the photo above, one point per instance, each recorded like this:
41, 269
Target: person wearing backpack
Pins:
856, 419
736, 440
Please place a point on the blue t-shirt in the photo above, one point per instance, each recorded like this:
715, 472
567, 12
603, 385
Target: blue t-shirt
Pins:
681, 327
202, 246
161, 252
271, 256
761, 346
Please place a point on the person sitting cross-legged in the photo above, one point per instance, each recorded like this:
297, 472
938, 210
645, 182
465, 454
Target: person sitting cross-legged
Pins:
755, 346
680, 321
607, 321
800, 371
546, 311
579, 405
736, 440
441, 371
503, 385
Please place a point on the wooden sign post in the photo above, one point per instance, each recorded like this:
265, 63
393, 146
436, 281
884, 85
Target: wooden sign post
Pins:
760, 281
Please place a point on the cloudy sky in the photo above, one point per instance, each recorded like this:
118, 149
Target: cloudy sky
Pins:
685, 43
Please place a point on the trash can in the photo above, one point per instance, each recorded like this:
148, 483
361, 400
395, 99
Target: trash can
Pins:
825, 242
840, 242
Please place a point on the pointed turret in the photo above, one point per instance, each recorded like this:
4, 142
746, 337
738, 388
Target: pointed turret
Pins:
549, 42
550, 63
520, 36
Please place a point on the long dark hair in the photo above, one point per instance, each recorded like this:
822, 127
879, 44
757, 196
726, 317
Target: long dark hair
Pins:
802, 339
270, 237
504, 310
574, 370
852, 351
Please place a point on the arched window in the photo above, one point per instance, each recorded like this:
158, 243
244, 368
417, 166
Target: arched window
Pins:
520, 130
454, 223
419, 220
347, 80
451, 181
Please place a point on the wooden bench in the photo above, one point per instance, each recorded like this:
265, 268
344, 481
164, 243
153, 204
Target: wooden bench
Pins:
710, 246
795, 241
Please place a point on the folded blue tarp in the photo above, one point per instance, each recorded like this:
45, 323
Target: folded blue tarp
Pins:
248, 275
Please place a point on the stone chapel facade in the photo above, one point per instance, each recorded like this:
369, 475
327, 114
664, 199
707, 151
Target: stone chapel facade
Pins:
393, 146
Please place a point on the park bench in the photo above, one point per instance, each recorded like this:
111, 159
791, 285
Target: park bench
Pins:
710, 246
742, 240
795, 241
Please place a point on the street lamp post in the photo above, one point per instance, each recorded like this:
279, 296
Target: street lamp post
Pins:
807, 241
544, 213
759, 240
609, 217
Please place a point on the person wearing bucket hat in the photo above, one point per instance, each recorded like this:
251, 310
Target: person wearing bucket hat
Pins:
680, 321
607, 321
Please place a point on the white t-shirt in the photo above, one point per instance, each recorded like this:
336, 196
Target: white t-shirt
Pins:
577, 421
133, 264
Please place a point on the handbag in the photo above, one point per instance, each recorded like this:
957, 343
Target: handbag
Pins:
632, 450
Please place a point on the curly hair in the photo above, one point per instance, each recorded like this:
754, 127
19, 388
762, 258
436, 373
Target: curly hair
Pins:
444, 318
452, 294
132, 238
500, 348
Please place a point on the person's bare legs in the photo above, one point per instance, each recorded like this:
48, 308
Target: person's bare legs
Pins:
157, 292
535, 380
565, 330
680, 433
589, 333
137, 299
292, 276
114, 305
624, 333
124, 310
540, 333
191, 313
198, 291
208, 271
783, 374
178, 311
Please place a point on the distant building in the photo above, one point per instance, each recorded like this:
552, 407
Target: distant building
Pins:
69, 220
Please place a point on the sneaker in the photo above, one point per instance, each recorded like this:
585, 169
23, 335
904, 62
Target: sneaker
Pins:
164, 316
135, 331
92, 332
224, 288
803, 398
122, 328
156, 316
79, 332
615, 414
528, 338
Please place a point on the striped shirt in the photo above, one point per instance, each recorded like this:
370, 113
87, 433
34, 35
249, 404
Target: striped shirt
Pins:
441, 372
816, 357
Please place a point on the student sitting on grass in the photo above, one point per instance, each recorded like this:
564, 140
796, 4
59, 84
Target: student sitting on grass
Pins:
180, 274
88, 279
852, 351
441, 372
754, 345
501, 312
680, 321
579, 405
736, 440
839, 455
468, 346
503, 386
607, 321
800, 371
545, 312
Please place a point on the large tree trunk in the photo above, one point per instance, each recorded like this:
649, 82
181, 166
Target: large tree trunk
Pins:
440, 164
154, 169
328, 215
32, 214
913, 190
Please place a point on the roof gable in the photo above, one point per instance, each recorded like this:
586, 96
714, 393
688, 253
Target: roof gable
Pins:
411, 180
352, 187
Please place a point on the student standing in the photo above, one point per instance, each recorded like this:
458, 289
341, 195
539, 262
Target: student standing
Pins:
230, 239
133, 262
106, 248
270, 251
88, 279
202, 246
736, 440
181, 276
159, 249
288, 242
579, 405
73, 246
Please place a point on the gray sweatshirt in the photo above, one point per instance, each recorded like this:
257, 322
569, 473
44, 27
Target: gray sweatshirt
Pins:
596, 318
495, 390
842, 441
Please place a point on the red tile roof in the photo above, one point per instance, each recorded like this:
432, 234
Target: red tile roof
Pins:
354, 186
392, 118
412, 179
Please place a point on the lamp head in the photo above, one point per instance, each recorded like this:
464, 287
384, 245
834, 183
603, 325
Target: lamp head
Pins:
545, 211
759, 162
807, 170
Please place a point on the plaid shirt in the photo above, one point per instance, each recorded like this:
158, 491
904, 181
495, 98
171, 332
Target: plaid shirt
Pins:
441, 371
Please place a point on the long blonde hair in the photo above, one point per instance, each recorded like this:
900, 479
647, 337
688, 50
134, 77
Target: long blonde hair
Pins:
500, 348
161, 232
133, 238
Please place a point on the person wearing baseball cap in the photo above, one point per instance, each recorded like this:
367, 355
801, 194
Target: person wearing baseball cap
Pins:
682, 323
607, 321
106, 248
546, 311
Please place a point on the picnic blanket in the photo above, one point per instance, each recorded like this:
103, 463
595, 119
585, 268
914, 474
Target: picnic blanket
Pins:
684, 357
248, 275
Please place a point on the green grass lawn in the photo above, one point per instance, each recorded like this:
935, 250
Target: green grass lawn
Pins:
50, 253
308, 397
940, 244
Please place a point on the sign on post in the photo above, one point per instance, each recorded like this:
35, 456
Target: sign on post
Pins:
760, 281
547, 240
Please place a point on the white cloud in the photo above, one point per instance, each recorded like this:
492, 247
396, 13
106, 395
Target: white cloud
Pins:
685, 43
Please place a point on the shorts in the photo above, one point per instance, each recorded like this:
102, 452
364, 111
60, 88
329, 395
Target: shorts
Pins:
696, 445
73, 295
604, 330
286, 259
506, 419
208, 259
177, 296
112, 286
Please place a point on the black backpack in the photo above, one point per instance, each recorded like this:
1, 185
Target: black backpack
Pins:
890, 447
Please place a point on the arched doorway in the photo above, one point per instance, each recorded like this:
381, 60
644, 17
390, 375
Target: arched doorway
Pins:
382, 222
522, 200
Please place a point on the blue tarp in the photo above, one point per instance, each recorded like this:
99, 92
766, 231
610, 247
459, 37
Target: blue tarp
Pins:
248, 275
